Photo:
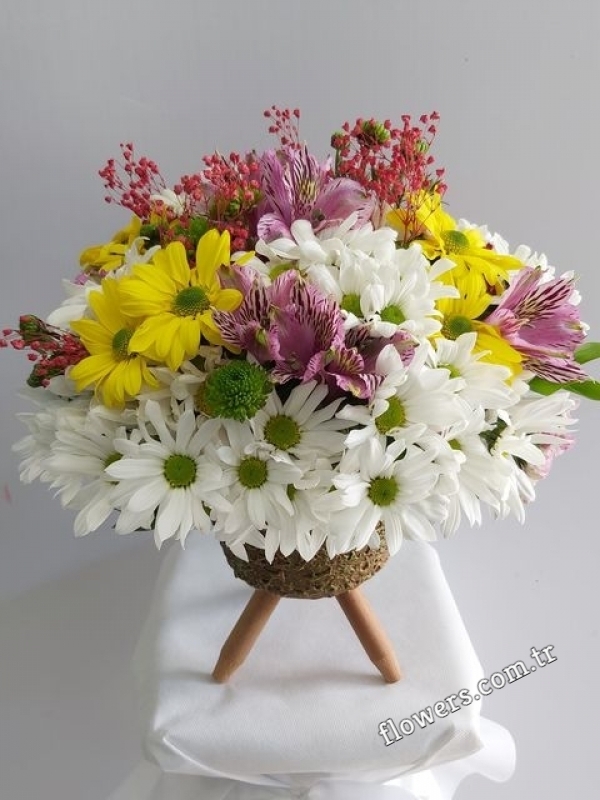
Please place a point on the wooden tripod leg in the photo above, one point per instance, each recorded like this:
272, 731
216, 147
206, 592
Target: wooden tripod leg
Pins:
244, 634
370, 632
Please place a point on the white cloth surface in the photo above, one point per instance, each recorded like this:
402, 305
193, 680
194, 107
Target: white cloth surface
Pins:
300, 719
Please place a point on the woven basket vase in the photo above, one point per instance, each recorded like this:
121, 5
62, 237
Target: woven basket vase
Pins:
322, 576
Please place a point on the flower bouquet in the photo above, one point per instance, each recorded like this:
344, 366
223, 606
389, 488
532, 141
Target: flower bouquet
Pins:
310, 360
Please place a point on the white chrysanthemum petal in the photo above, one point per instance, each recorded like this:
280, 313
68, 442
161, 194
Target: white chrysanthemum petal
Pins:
148, 496
136, 468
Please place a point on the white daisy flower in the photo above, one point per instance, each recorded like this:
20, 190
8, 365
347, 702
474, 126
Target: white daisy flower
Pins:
253, 482
167, 474
331, 244
80, 454
519, 491
484, 384
533, 423
523, 439
403, 296
35, 448
305, 529
481, 476
394, 485
308, 527
425, 398
300, 427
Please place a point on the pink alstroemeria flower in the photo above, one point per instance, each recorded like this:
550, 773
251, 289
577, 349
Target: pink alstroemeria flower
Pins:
297, 186
297, 331
540, 320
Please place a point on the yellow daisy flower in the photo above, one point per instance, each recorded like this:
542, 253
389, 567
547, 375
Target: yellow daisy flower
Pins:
176, 302
441, 238
117, 374
460, 315
111, 255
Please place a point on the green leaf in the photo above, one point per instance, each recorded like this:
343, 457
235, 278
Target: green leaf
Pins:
589, 388
589, 351
542, 386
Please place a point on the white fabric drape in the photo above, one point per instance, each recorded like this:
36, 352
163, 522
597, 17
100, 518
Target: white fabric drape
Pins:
301, 718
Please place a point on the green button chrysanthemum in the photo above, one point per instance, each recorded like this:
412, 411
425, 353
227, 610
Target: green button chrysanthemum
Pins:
237, 390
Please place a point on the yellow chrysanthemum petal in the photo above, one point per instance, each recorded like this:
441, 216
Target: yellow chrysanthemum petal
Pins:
213, 251
496, 349
148, 378
148, 291
112, 388
106, 305
189, 334
145, 336
132, 376
173, 259
228, 299
91, 370
95, 337
210, 331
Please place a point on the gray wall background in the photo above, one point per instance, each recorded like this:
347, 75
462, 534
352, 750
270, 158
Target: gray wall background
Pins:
516, 86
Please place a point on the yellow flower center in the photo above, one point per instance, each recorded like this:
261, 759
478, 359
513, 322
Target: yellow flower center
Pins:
455, 241
191, 301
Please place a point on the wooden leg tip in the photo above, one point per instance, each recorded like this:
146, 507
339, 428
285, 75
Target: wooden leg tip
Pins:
390, 669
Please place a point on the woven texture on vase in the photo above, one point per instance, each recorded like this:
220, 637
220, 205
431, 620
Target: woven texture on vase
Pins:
322, 576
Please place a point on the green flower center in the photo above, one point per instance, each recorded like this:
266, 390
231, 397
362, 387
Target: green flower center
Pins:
383, 491
393, 417
252, 472
110, 459
393, 314
282, 432
455, 241
237, 390
120, 344
180, 471
191, 301
455, 444
351, 303
453, 327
